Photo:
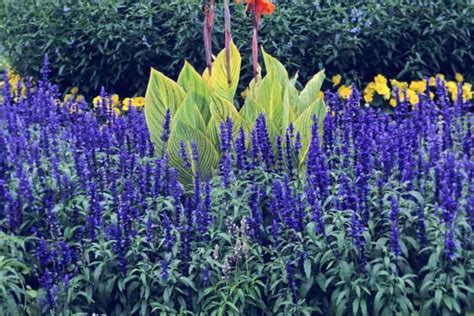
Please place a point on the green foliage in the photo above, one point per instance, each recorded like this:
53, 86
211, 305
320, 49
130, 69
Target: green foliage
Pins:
115, 42
13, 271
200, 104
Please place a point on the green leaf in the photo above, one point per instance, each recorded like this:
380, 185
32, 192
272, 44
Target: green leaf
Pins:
310, 92
304, 123
194, 85
162, 93
208, 155
218, 82
438, 297
307, 268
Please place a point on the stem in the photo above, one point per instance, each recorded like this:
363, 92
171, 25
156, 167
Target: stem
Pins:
255, 52
207, 32
228, 39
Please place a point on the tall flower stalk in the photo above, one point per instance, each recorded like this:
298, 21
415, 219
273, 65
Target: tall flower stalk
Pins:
228, 39
208, 27
258, 8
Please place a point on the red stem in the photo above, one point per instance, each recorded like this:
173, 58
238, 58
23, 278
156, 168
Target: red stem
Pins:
256, 22
228, 39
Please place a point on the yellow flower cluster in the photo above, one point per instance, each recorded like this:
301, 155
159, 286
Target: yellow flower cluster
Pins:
118, 106
383, 89
74, 96
13, 80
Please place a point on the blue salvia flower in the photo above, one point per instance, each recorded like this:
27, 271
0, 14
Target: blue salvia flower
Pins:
164, 270
298, 146
279, 149
226, 159
264, 144
289, 148
317, 212
316, 169
184, 155
149, 229
470, 206
165, 134
241, 151
394, 234
169, 240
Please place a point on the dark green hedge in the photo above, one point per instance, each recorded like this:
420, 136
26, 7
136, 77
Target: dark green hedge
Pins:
114, 42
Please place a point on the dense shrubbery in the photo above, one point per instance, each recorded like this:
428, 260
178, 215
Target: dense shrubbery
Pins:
115, 42
93, 220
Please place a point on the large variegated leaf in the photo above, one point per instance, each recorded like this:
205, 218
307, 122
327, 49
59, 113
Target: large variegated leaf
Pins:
191, 81
222, 109
310, 92
218, 82
290, 99
274, 68
162, 93
269, 97
208, 154
304, 123
189, 114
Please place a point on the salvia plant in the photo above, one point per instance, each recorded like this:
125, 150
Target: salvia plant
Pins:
94, 219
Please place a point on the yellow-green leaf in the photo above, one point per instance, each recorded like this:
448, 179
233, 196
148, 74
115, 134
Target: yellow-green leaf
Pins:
208, 154
310, 92
221, 109
218, 82
162, 93
304, 123
191, 81
188, 113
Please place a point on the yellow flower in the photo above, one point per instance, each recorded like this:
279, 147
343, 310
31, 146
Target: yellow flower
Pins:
432, 95
393, 102
459, 77
115, 100
138, 102
412, 97
418, 86
320, 94
68, 97
432, 81
383, 90
441, 76
336, 80
74, 90
380, 79
401, 85
369, 98
97, 101
370, 88
126, 102
345, 92
80, 98
467, 91
117, 111
452, 89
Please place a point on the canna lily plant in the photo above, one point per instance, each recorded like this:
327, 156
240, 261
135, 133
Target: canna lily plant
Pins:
199, 103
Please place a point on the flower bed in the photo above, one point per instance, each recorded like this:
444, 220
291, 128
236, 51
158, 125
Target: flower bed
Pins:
378, 219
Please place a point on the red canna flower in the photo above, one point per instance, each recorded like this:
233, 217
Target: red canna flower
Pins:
260, 7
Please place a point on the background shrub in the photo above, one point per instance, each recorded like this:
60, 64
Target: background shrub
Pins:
115, 42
